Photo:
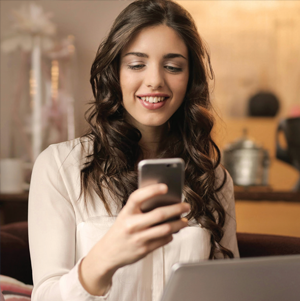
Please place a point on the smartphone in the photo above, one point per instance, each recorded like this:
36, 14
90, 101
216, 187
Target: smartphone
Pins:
167, 171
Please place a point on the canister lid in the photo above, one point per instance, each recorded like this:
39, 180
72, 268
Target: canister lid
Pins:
243, 143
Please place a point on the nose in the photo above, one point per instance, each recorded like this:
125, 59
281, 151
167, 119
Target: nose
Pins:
154, 78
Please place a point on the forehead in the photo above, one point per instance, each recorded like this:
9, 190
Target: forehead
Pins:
160, 38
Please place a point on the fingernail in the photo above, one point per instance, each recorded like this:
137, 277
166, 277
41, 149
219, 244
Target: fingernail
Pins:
184, 219
163, 187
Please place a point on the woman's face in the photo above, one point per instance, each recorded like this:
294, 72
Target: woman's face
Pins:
154, 73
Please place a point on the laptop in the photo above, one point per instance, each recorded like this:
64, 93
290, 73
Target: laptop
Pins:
275, 278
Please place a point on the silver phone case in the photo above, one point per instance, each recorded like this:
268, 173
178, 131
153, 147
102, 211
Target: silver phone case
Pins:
168, 171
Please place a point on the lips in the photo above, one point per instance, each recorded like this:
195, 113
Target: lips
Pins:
153, 101
152, 105
153, 95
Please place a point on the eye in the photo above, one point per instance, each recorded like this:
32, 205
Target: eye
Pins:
173, 69
136, 67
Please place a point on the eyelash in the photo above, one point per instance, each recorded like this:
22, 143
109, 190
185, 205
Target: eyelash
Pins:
169, 68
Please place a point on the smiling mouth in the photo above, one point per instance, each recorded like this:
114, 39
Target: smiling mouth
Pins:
153, 99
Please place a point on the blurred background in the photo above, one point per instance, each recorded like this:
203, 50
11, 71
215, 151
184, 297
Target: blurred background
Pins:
47, 48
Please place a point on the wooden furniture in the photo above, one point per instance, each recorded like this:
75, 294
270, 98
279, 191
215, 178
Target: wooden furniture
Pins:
257, 245
286, 196
13, 207
15, 257
265, 211
268, 217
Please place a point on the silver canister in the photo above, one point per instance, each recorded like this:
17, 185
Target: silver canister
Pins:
247, 162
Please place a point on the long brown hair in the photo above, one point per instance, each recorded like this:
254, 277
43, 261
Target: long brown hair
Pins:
112, 164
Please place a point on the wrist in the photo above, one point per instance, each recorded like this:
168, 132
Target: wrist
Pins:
96, 280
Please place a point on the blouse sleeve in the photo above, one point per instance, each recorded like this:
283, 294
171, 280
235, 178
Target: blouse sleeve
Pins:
52, 235
226, 197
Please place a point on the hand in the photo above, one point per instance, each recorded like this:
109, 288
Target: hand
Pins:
133, 235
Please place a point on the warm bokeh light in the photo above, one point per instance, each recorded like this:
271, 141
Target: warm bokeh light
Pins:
54, 79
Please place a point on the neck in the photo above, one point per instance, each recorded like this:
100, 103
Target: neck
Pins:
150, 141
151, 138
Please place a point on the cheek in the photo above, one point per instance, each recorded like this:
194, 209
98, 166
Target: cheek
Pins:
123, 82
129, 82
180, 85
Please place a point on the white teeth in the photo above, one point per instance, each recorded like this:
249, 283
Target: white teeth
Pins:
152, 99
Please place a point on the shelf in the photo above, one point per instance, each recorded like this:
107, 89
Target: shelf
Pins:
286, 196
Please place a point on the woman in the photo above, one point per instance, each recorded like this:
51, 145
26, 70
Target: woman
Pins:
89, 239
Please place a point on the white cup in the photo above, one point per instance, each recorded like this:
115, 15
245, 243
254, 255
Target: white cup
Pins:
11, 175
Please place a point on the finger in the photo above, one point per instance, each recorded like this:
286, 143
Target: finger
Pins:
165, 213
161, 231
143, 194
155, 244
158, 215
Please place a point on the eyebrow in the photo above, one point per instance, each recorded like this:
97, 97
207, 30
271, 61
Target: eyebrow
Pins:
166, 56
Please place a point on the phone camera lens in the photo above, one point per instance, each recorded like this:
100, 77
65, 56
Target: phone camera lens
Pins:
172, 165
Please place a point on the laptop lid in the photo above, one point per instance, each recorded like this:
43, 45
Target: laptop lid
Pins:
249, 279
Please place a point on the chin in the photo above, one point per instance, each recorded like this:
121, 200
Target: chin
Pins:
153, 123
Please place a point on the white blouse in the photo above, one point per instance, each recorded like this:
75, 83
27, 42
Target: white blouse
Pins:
62, 231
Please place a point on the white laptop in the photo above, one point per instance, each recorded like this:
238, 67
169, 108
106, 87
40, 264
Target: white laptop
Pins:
274, 278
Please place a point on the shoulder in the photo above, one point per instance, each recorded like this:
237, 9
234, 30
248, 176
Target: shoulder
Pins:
222, 175
69, 152
224, 193
58, 168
